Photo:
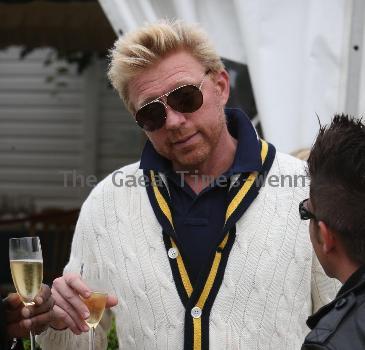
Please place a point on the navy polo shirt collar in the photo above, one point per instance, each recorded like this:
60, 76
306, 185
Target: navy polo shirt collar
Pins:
247, 157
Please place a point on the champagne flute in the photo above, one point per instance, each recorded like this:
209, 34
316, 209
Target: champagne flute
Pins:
26, 264
97, 279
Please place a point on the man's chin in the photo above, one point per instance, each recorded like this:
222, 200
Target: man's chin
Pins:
190, 161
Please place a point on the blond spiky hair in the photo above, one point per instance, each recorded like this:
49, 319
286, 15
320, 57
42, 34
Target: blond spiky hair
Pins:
139, 49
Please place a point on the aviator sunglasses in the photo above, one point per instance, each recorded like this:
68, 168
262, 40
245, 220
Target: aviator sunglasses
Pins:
184, 99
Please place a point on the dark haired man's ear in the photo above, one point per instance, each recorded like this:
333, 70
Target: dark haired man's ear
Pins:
327, 237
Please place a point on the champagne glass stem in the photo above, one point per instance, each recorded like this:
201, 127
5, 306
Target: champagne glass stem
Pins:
92, 338
32, 342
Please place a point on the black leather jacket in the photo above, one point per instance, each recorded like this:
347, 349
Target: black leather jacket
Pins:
4, 341
340, 325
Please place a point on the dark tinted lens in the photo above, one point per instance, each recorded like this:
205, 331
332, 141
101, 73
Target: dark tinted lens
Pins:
186, 99
152, 116
304, 213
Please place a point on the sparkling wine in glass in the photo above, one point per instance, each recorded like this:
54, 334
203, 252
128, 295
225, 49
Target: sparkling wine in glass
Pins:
26, 264
97, 279
96, 305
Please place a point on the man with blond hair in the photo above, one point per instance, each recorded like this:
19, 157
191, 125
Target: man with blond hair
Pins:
204, 249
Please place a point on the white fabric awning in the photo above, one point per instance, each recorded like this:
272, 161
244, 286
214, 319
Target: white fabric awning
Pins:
297, 51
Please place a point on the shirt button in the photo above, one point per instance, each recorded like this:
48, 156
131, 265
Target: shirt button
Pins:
173, 253
341, 303
196, 312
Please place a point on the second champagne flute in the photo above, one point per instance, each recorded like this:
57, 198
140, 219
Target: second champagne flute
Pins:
97, 279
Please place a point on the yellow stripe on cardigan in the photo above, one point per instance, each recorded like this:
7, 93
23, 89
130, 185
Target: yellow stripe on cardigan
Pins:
224, 242
206, 291
247, 185
161, 200
212, 275
183, 273
167, 212
264, 150
197, 324
203, 298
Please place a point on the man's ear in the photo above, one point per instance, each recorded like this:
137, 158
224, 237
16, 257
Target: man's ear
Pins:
222, 85
327, 237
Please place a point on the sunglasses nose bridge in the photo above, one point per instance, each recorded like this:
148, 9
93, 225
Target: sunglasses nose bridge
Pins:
164, 100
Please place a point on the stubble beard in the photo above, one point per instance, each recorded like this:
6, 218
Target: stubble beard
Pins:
201, 153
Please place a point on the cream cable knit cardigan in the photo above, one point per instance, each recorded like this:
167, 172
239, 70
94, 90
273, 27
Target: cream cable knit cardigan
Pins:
272, 282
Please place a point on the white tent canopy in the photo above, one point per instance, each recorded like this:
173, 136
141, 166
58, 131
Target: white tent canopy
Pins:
304, 56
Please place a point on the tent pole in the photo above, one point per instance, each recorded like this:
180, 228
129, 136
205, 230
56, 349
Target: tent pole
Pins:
355, 57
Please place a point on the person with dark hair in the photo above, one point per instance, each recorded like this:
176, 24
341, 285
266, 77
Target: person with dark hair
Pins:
336, 209
16, 320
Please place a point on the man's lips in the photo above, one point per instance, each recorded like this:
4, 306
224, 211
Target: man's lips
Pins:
183, 140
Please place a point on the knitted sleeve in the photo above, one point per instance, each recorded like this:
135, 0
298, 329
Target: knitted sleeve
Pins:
324, 289
83, 250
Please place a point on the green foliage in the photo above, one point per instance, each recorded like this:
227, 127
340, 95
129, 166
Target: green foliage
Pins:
26, 344
112, 340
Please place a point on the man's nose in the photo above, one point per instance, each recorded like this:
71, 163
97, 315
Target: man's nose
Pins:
174, 119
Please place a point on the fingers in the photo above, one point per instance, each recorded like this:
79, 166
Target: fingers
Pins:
66, 292
13, 307
75, 282
34, 310
78, 320
13, 301
63, 320
41, 322
35, 324
43, 295
25, 312
69, 288
111, 301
